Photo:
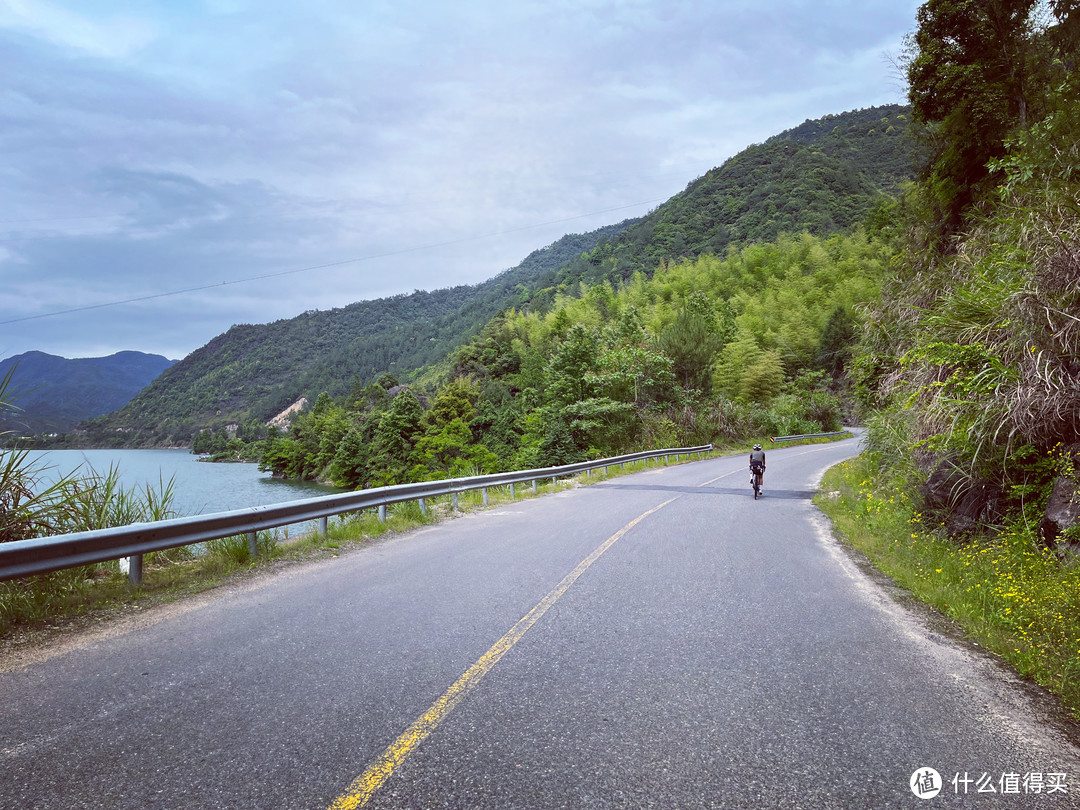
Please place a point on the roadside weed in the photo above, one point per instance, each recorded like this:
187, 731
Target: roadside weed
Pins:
1003, 590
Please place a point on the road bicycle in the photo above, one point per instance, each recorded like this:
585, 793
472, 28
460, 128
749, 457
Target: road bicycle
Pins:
756, 471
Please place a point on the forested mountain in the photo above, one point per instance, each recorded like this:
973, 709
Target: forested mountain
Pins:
52, 394
710, 349
254, 371
822, 177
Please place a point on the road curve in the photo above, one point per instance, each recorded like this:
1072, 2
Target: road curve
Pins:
658, 640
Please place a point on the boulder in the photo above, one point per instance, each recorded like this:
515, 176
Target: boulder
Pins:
939, 489
1062, 512
977, 506
962, 503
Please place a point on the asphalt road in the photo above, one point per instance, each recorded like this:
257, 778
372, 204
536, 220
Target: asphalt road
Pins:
683, 646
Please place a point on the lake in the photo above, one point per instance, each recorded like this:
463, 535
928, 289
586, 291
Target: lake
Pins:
200, 487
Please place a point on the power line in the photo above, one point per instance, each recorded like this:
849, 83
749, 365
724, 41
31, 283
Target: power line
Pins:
296, 270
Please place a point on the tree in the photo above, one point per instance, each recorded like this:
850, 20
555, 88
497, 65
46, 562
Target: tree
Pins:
597, 422
744, 371
454, 401
395, 437
568, 371
640, 374
202, 444
350, 465
368, 397
1066, 35
837, 340
557, 446
323, 404
763, 380
331, 425
974, 71
284, 456
443, 448
692, 343
498, 427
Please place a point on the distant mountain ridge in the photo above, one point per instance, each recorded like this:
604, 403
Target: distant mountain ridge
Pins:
254, 371
53, 394
823, 176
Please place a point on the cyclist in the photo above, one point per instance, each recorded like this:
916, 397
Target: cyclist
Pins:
757, 465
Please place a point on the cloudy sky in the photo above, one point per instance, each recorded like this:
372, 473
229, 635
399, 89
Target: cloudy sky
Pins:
173, 167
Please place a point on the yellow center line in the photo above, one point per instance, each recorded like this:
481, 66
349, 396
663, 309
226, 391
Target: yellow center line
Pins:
365, 785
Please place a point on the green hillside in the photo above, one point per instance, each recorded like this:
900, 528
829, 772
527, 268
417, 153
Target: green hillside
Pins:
707, 350
822, 177
254, 371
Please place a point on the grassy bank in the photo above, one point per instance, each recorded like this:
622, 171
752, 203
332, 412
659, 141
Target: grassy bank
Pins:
1004, 591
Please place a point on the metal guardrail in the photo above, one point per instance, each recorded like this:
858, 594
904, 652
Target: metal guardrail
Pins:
775, 439
21, 558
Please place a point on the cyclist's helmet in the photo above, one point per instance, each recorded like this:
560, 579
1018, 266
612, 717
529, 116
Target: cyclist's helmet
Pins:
757, 446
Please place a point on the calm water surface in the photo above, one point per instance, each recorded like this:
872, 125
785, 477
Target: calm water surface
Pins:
199, 487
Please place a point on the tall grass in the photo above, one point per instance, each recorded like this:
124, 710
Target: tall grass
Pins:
236, 550
32, 507
81, 503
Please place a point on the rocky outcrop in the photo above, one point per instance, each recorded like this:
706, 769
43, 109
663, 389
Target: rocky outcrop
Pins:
1062, 513
282, 419
962, 503
397, 389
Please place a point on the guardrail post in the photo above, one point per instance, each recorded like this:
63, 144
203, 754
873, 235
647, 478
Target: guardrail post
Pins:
554, 480
253, 544
453, 501
483, 492
324, 526
135, 568
512, 492
423, 507
382, 512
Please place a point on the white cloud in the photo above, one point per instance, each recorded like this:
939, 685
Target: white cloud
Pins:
254, 138
115, 38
